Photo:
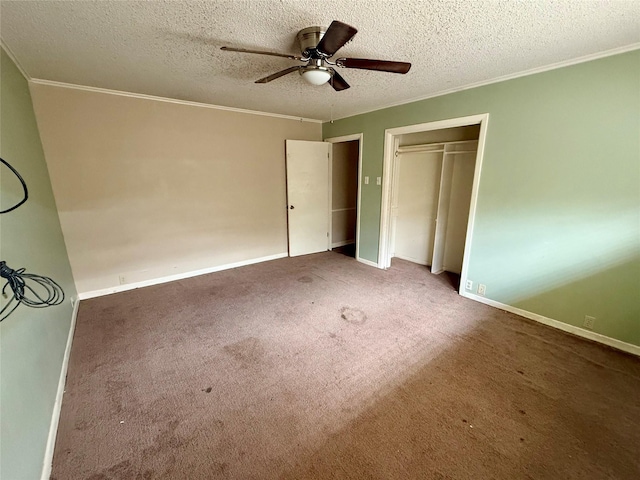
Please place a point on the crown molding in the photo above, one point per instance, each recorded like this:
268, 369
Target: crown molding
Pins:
52, 83
504, 78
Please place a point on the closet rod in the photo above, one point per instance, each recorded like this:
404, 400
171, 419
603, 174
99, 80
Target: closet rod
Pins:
417, 150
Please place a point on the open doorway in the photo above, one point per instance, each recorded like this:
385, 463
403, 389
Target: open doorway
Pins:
344, 194
430, 184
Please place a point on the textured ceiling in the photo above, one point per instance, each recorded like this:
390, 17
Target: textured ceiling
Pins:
172, 49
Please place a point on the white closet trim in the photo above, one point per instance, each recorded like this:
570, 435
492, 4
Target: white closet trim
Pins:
390, 147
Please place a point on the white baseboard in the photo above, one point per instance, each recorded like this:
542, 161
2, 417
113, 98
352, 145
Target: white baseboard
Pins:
411, 259
581, 332
178, 276
57, 406
342, 243
368, 262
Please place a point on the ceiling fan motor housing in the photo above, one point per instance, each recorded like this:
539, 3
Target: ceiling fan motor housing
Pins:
309, 38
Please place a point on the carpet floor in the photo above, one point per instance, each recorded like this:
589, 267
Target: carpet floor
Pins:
319, 367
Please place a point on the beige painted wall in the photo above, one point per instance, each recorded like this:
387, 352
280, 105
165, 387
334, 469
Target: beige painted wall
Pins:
147, 189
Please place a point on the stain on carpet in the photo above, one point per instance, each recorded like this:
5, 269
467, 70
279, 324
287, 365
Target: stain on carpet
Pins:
219, 424
120, 470
305, 279
82, 425
248, 352
115, 393
219, 468
353, 315
165, 444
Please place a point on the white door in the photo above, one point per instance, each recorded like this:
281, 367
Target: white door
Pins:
417, 206
458, 218
308, 196
442, 218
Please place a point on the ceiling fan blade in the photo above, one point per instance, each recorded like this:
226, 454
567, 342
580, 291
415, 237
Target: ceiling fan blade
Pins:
336, 36
279, 74
337, 82
368, 64
260, 52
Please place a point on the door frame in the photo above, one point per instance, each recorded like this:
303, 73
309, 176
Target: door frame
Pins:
341, 139
389, 182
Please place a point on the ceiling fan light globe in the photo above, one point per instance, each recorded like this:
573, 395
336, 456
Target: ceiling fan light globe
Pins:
316, 76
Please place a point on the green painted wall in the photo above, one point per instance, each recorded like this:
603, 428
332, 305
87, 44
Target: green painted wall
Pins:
557, 228
32, 341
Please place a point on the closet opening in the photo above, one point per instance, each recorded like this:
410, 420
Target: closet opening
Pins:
430, 184
344, 194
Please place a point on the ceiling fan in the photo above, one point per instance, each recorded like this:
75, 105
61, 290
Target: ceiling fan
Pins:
318, 45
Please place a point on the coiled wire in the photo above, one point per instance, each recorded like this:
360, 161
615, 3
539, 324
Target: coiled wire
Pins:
28, 289
25, 190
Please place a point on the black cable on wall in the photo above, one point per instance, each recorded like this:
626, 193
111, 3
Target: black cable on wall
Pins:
28, 289
24, 187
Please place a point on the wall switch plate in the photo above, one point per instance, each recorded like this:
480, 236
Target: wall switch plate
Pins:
378, 180
469, 285
482, 289
366, 180
589, 322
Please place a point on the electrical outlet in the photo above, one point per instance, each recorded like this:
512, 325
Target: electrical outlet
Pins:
378, 180
122, 280
588, 322
469, 285
482, 289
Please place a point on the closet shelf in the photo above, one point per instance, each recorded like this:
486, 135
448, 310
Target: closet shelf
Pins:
460, 146
343, 209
